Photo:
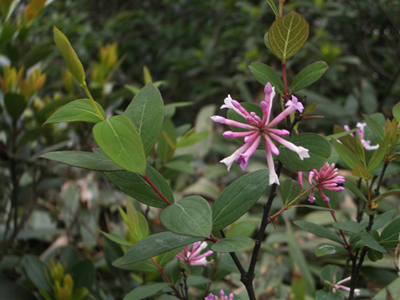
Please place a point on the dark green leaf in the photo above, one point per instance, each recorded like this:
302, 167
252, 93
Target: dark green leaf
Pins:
387, 194
96, 160
319, 231
192, 139
331, 273
288, 34
318, 148
265, 74
173, 270
396, 111
390, 234
189, 216
197, 280
350, 226
290, 190
146, 112
145, 291
376, 129
120, 141
167, 141
80, 110
137, 187
146, 265
340, 134
117, 239
324, 295
180, 165
348, 156
327, 249
238, 198
355, 190
382, 219
374, 255
379, 154
15, 104
308, 75
13, 291
83, 273
164, 258
370, 242
156, 244
360, 172
232, 244
37, 272
273, 7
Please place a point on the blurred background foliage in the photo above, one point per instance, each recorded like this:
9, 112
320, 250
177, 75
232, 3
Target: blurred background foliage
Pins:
198, 52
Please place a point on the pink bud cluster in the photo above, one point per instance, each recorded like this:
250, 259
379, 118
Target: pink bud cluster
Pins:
193, 258
257, 129
222, 294
326, 179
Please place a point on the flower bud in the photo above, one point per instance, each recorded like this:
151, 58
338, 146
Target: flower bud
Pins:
68, 53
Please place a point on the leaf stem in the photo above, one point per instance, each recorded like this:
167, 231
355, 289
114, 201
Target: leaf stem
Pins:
85, 88
166, 278
156, 189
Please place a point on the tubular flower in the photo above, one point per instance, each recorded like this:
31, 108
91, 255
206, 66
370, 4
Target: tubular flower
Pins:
193, 258
257, 129
222, 294
366, 144
326, 179
337, 286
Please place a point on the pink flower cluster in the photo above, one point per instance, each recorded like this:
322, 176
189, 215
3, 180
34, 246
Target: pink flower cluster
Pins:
222, 294
327, 179
257, 129
193, 258
366, 144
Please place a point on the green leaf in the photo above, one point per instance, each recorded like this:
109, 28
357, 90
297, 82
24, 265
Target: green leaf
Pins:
319, 231
232, 244
376, 129
355, 190
238, 198
265, 74
38, 272
324, 295
12, 290
135, 186
288, 34
340, 134
83, 273
370, 242
319, 151
382, 219
387, 194
189, 216
169, 109
273, 7
15, 104
116, 239
350, 226
146, 265
331, 273
266, 42
390, 234
137, 223
348, 156
167, 141
96, 160
197, 280
145, 291
327, 249
156, 244
378, 155
396, 111
173, 270
146, 112
80, 110
360, 172
374, 255
308, 75
180, 165
164, 258
193, 138
120, 141
290, 190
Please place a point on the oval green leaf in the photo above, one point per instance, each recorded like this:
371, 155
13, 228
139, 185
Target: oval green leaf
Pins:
390, 234
156, 244
120, 141
189, 216
327, 249
232, 244
318, 148
95, 160
145, 291
135, 186
370, 242
238, 198
308, 75
396, 111
350, 226
319, 231
80, 110
348, 156
265, 74
290, 190
288, 34
146, 112
145, 265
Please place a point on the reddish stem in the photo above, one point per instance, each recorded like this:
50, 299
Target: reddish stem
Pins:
156, 189
347, 246
166, 278
212, 239
285, 92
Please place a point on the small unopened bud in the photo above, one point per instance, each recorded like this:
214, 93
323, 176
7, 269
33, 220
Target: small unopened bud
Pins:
68, 53
268, 88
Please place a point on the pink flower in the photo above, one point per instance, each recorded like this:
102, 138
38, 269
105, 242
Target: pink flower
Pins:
193, 258
257, 129
360, 132
222, 294
327, 179
338, 286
